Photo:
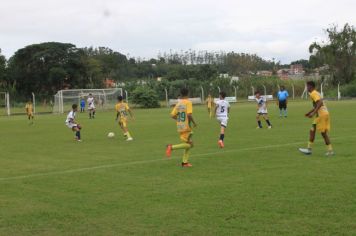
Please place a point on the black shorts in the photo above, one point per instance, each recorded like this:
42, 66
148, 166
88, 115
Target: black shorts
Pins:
282, 104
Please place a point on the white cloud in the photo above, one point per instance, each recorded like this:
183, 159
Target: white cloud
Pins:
276, 28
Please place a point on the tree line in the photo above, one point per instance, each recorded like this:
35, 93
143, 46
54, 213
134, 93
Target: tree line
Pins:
48, 67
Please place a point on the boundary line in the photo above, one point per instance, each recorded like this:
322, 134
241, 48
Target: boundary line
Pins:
149, 161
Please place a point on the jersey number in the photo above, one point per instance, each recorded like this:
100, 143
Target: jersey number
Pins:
222, 109
181, 116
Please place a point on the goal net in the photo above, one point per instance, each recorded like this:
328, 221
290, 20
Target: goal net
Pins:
104, 98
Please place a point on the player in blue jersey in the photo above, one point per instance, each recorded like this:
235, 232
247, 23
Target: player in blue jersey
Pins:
282, 101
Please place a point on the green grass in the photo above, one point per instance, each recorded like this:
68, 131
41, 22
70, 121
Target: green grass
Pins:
258, 185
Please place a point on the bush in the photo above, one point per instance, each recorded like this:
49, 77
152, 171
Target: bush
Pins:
145, 97
349, 90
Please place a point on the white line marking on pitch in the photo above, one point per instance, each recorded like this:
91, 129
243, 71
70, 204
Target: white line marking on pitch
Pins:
148, 161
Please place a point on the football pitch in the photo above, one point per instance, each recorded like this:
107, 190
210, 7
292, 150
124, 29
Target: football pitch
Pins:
259, 184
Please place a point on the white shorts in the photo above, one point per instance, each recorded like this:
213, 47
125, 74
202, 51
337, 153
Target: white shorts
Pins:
223, 121
91, 107
262, 111
71, 125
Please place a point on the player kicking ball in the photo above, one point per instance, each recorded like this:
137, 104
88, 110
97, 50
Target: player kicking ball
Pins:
222, 109
262, 110
91, 106
29, 112
183, 114
122, 111
321, 121
72, 123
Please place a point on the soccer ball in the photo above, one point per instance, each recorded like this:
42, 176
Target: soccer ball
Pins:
111, 135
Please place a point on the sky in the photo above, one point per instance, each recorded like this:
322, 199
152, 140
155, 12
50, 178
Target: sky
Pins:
280, 29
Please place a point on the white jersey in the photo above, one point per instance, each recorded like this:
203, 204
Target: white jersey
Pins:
90, 102
262, 105
70, 117
222, 108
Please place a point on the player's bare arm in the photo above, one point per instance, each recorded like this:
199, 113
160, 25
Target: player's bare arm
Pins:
191, 119
311, 113
131, 114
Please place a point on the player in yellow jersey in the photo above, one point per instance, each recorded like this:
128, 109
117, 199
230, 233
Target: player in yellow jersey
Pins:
321, 121
210, 104
29, 111
183, 114
122, 111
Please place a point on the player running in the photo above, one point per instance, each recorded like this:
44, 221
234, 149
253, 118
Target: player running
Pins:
210, 103
122, 111
72, 123
262, 110
29, 111
321, 121
282, 101
222, 109
91, 106
183, 114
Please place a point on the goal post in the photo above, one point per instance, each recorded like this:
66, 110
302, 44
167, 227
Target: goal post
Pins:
5, 103
104, 98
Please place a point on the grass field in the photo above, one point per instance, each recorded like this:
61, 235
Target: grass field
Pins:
258, 185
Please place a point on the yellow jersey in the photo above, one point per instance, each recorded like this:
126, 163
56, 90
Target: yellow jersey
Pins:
122, 108
29, 108
315, 97
183, 108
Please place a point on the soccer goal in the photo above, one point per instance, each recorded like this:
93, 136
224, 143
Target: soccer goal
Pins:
104, 98
4, 103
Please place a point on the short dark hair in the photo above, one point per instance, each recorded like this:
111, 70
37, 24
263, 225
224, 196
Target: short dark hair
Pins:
74, 106
184, 92
282, 87
311, 83
257, 92
120, 98
222, 94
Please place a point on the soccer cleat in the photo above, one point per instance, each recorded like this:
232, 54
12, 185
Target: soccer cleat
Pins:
258, 127
270, 127
221, 144
329, 153
305, 151
186, 164
169, 150
129, 139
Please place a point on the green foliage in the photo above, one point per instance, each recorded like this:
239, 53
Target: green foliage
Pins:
339, 55
145, 97
349, 90
2, 71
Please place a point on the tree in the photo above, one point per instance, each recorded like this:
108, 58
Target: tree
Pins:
41, 68
2, 71
338, 55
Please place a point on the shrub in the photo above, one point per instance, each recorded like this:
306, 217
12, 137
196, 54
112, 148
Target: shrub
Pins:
145, 97
349, 90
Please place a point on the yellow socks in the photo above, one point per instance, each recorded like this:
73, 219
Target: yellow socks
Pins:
310, 144
181, 146
127, 134
186, 155
330, 148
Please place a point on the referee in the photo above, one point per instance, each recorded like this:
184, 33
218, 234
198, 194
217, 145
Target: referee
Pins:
282, 101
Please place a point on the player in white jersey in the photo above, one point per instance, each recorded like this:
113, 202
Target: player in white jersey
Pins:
262, 110
91, 106
222, 110
72, 123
